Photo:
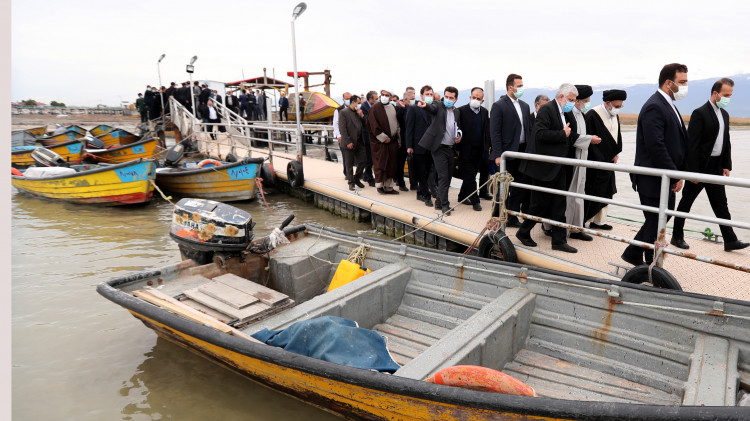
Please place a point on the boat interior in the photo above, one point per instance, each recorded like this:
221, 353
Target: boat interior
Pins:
568, 338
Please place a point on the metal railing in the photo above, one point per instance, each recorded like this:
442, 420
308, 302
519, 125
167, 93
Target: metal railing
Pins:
659, 247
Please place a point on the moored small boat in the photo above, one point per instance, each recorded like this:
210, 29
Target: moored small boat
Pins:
145, 148
57, 139
317, 106
22, 138
229, 181
100, 130
37, 131
71, 152
572, 346
118, 136
102, 184
78, 129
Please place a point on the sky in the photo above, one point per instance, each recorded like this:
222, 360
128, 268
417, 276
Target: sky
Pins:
84, 52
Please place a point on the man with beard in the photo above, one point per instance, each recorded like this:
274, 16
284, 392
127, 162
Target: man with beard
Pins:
385, 140
475, 124
603, 121
417, 121
353, 149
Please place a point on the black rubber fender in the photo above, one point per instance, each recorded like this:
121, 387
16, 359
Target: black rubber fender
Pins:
268, 176
496, 245
660, 277
294, 174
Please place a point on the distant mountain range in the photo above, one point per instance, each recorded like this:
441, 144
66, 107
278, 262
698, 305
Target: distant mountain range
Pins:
698, 94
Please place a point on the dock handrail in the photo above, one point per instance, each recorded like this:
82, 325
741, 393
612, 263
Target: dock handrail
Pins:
665, 175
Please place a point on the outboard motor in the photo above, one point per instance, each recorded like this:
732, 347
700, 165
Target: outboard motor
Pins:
203, 227
174, 155
46, 158
94, 143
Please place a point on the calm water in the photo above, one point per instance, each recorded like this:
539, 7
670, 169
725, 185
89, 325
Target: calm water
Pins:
77, 356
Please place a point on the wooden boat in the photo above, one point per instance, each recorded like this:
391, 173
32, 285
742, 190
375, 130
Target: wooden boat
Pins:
78, 129
231, 181
118, 136
103, 184
57, 139
22, 138
100, 130
317, 106
37, 131
591, 349
71, 152
145, 148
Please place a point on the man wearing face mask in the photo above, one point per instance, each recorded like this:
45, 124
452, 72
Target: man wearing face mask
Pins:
336, 131
579, 150
368, 177
401, 156
385, 140
352, 148
540, 100
417, 122
710, 153
661, 141
443, 133
551, 136
475, 124
603, 121
510, 130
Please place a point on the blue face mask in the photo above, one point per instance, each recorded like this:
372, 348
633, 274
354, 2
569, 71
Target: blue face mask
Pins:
347, 102
448, 103
586, 107
568, 107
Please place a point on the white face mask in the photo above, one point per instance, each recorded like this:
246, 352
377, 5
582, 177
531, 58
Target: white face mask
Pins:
385, 100
475, 103
359, 106
614, 111
681, 92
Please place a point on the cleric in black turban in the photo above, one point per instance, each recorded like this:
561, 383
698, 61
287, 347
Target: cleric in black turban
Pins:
614, 95
584, 91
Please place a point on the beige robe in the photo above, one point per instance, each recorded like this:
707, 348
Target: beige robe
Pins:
574, 206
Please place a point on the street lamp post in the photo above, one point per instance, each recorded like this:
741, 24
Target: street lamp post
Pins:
189, 68
161, 94
298, 10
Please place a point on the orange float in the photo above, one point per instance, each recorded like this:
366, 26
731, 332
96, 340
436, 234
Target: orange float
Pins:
212, 162
481, 378
16, 172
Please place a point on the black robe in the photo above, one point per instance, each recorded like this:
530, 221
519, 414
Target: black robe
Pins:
600, 182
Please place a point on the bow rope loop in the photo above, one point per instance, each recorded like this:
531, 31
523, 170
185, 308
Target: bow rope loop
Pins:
658, 251
358, 255
494, 187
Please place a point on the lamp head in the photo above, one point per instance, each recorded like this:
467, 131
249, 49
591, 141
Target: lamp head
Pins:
161, 58
299, 9
192, 60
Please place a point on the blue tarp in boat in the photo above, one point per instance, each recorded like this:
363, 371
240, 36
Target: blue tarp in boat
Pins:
333, 339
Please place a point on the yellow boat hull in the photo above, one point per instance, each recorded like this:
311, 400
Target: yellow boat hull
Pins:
37, 131
100, 130
226, 183
123, 184
71, 152
144, 149
117, 136
60, 138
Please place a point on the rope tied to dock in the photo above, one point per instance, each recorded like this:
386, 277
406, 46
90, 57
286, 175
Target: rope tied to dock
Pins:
495, 223
164, 196
358, 255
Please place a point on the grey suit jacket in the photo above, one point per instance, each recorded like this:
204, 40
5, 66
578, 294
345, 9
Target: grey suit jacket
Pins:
434, 135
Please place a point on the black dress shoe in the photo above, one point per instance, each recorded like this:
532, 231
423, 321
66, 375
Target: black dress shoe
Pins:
380, 190
477, 207
391, 191
351, 186
735, 245
420, 197
526, 241
564, 247
446, 211
371, 183
604, 227
485, 196
547, 232
581, 236
438, 205
359, 184
635, 261
403, 188
428, 202
512, 222
679, 243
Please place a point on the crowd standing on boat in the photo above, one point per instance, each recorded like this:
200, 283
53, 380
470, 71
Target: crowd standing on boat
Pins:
434, 135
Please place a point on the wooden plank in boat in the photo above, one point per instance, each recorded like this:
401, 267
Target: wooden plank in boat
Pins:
249, 312
228, 295
224, 318
264, 294
168, 303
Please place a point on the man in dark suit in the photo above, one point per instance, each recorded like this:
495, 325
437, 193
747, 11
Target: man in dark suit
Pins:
540, 100
368, 176
233, 103
551, 136
475, 125
417, 121
510, 128
443, 133
661, 141
350, 123
710, 152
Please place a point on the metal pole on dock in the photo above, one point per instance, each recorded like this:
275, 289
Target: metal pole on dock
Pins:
161, 94
298, 9
189, 68
489, 94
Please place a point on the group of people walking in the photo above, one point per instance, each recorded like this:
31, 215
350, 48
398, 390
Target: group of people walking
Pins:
379, 132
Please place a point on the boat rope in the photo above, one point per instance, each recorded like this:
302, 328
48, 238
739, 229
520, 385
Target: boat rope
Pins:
495, 222
259, 183
495, 273
358, 255
164, 196
659, 247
